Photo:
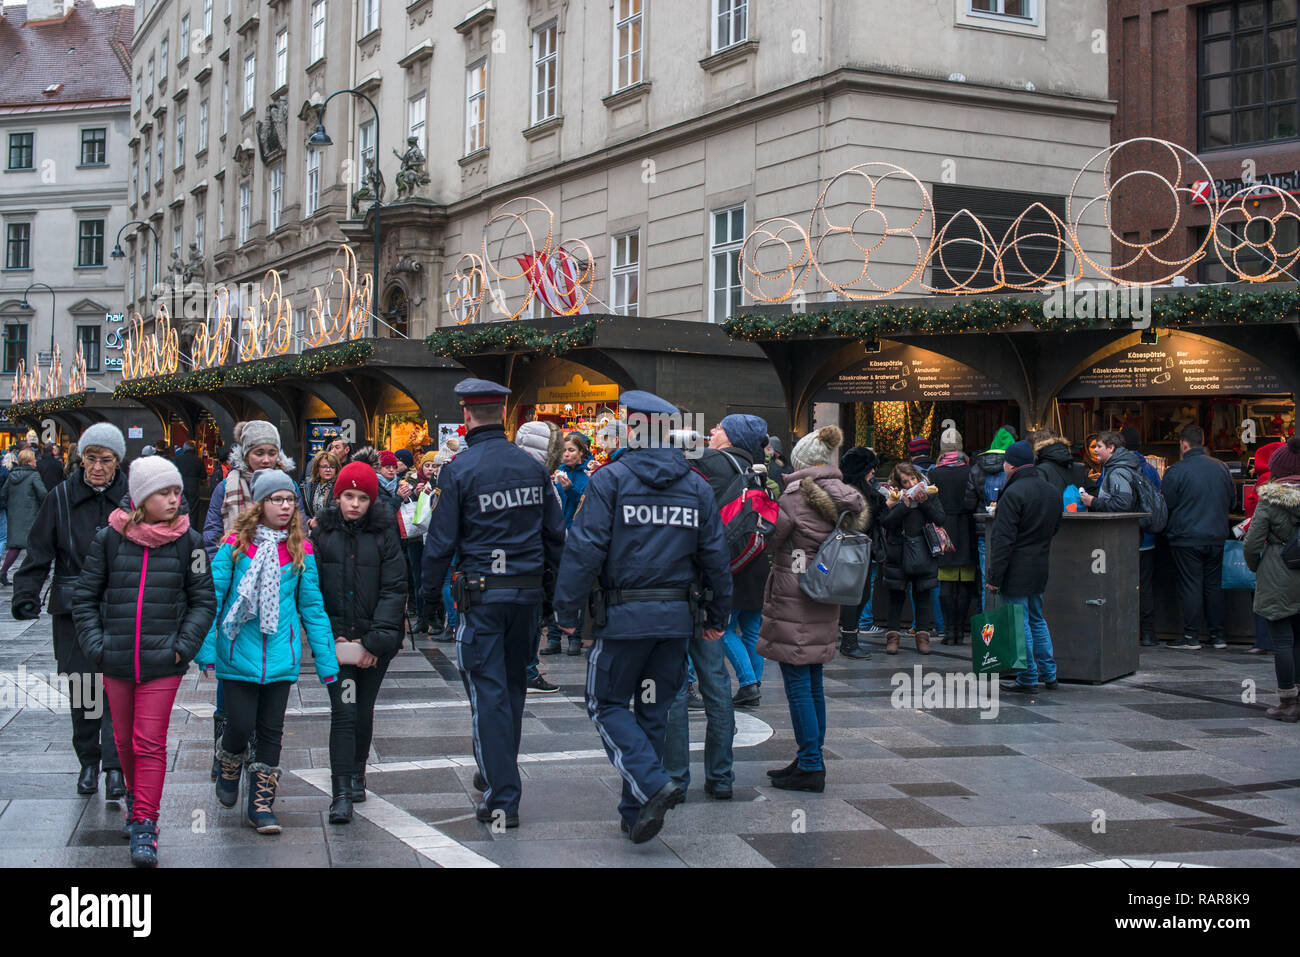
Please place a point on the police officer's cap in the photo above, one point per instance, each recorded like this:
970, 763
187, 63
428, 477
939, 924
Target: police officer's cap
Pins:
646, 403
481, 392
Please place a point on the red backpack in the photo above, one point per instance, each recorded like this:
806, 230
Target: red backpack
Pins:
748, 515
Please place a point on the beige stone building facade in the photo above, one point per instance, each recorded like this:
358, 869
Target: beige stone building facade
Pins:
659, 132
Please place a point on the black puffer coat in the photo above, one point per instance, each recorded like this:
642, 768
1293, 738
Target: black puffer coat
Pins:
136, 608
362, 577
902, 521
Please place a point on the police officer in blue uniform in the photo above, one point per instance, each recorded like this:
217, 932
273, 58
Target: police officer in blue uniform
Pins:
494, 508
647, 548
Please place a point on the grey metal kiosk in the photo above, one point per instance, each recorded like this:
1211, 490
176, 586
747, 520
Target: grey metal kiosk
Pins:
1091, 602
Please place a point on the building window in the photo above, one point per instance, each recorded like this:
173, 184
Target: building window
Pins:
311, 202
144, 272
135, 180
730, 23
625, 273
88, 340
18, 246
367, 141
724, 257
627, 43
180, 140
299, 330
476, 107
545, 61
221, 215
277, 195
203, 125
250, 81
147, 152
245, 211
415, 114
148, 76
15, 346
1036, 255
183, 40
369, 16
317, 30
1248, 73
21, 147
1018, 9
130, 281
178, 240
225, 103
138, 98
162, 58
200, 230
94, 147
281, 58
90, 242
207, 18
162, 158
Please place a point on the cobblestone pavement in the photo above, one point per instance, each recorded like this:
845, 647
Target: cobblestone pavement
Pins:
1166, 765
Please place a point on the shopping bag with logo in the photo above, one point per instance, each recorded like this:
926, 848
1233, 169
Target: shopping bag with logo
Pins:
1236, 573
413, 517
998, 639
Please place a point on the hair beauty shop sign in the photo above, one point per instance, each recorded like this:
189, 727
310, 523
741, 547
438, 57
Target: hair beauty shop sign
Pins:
903, 373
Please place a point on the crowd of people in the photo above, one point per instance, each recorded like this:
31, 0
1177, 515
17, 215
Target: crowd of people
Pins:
636, 567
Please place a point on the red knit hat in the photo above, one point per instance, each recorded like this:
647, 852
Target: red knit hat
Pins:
359, 476
388, 458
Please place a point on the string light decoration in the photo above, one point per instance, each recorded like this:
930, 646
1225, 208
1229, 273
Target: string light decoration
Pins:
156, 353
211, 343
568, 266
268, 328
453, 343
54, 377
77, 376
26, 386
779, 255
333, 320
40, 407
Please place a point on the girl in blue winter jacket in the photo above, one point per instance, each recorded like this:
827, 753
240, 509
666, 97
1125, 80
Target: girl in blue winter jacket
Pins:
268, 597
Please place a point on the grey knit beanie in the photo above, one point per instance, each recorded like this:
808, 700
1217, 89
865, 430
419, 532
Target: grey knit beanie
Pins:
267, 482
104, 436
257, 432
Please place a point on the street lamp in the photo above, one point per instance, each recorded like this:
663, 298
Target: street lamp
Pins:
320, 139
54, 304
118, 254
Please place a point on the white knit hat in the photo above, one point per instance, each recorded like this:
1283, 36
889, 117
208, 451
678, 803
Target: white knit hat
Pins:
816, 448
103, 435
149, 475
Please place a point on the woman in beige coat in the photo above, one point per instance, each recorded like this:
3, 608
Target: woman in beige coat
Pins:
798, 633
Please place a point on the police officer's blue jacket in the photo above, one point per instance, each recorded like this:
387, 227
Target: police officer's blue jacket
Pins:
646, 521
494, 506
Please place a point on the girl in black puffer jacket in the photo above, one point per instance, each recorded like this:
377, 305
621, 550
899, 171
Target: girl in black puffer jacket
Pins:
363, 580
143, 605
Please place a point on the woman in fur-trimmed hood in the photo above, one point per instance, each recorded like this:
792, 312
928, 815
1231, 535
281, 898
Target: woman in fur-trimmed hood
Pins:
797, 632
1277, 587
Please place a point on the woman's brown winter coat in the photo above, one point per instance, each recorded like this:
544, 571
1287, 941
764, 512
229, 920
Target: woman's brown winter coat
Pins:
797, 630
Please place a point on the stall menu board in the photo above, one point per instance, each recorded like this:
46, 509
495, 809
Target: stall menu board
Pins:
317, 431
902, 373
1179, 364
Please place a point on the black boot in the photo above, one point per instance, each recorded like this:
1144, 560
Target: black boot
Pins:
218, 731
552, 647
359, 788
144, 843
800, 780
786, 771
850, 648
341, 806
114, 785
88, 779
575, 646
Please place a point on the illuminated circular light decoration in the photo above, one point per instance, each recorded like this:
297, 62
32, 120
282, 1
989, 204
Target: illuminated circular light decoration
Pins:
780, 236
212, 342
333, 320
157, 352
1256, 233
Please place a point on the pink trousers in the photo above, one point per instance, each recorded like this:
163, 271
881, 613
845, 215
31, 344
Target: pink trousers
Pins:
141, 736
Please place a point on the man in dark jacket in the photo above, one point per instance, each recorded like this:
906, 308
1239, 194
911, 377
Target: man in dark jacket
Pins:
1200, 494
1020, 543
647, 532
192, 472
735, 444
67, 522
1054, 462
51, 468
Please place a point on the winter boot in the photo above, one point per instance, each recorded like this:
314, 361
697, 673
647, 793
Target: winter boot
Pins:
575, 646
801, 780
218, 731
263, 780
892, 639
359, 787
849, 646
114, 785
144, 843
1288, 708
922, 642
228, 781
130, 806
341, 806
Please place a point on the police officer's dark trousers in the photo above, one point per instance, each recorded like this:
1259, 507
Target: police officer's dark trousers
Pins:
648, 672
92, 722
492, 645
